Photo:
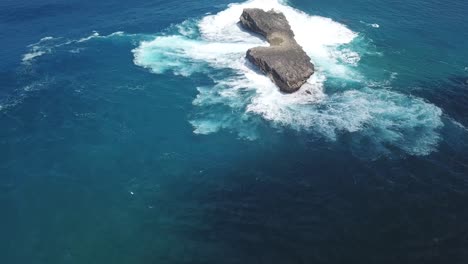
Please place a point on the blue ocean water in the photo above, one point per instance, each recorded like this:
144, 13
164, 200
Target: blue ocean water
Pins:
135, 132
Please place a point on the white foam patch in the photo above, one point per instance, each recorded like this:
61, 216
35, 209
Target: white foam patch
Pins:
96, 35
384, 119
459, 125
177, 53
76, 51
374, 25
47, 45
38, 49
34, 53
216, 42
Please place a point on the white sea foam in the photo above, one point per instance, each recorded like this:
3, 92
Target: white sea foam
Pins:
38, 49
377, 117
458, 124
76, 51
96, 34
223, 44
34, 53
47, 45
374, 25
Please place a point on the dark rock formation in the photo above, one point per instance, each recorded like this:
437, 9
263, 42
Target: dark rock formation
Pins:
285, 62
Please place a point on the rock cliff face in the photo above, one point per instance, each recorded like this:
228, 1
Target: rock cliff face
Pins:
285, 62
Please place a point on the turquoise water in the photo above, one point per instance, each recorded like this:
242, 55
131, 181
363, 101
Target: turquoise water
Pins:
137, 133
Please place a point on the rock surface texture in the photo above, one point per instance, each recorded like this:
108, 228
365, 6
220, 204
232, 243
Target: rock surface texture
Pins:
285, 62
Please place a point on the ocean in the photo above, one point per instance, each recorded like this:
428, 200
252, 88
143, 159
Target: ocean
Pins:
137, 132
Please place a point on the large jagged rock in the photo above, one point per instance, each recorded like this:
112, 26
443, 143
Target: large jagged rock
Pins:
285, 62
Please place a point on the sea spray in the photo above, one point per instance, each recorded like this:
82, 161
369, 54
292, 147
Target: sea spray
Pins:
384, 119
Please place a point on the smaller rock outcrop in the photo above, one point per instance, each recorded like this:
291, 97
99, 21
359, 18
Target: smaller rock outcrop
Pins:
285, 62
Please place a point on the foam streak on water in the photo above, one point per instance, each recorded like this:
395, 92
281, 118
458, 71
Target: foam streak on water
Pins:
48, 44
380, 117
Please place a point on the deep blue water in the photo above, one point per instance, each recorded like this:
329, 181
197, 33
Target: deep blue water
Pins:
134, 132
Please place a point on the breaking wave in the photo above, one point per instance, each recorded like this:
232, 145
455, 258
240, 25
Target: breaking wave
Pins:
241, 98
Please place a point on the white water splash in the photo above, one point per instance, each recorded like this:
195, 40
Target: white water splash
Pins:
377, 117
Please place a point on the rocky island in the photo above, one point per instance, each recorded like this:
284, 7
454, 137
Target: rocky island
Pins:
284, 61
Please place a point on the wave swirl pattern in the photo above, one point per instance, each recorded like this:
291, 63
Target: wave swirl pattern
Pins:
243, 100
